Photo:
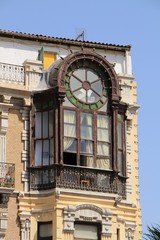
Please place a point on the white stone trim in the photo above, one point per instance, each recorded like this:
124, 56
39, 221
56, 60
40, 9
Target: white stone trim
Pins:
33, 73
25, 225
25, 113
129, 230
87, 213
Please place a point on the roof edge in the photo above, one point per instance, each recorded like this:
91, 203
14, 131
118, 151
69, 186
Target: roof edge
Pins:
56, 40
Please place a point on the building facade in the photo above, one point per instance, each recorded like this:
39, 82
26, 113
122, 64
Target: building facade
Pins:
68, 140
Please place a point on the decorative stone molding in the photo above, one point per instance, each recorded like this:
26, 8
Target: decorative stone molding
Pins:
131, 111
25, 225
129, 229
33, 73
3, 223
25, 140
87, 213
126, 90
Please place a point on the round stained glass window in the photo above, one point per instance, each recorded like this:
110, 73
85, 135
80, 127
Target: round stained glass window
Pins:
86, 86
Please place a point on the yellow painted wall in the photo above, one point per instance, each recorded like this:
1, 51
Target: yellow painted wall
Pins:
49, 58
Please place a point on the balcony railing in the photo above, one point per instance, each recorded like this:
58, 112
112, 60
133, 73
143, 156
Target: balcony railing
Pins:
73, 177
12, 73
7, 175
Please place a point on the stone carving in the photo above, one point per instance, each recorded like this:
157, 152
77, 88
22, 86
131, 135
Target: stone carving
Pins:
87, 213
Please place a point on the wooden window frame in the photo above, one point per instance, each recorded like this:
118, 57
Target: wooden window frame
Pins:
94, 133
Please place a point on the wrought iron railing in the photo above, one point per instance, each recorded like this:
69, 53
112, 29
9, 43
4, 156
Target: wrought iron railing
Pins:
7, 175
73, 177
12, 73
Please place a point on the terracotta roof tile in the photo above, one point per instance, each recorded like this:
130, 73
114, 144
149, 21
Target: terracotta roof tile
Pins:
43, 38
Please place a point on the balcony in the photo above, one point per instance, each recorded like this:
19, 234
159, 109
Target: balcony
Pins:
11, 73
73, 177
7, 175
27, 76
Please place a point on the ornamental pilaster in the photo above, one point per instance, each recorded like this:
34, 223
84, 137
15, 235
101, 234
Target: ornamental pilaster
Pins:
25, 225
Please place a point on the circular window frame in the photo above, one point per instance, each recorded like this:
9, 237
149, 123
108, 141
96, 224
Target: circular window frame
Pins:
87, 64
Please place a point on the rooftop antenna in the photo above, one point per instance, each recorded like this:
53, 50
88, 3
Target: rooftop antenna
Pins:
80, 36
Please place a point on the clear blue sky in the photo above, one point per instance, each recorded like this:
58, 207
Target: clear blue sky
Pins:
135, 22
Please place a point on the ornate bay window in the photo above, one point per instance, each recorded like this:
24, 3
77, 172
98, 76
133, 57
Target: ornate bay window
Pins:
80, 125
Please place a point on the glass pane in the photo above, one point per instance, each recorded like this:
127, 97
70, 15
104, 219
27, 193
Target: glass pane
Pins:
92, 96
51, 124
86, 161
75, 83
70, 145
83, 231
102, 121
51, 151
103, 134
69, 130
86, 132
103, 163
81, 94
120, 164
38, 153
120, 135
45, 124
38, 125
45, 230
80, 73
91, 76
97, 86
103, 149
69, 116
86, 119
86, 147
46, 152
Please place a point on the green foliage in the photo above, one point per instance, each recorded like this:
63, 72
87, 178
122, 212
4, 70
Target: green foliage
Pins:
153, 233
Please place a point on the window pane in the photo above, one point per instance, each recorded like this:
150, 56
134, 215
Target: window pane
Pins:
83, 231
91, 76
45, 124
80, 73
86, 147
103, 163
103, 149
120, 163
50, 123
45, 230
86, 161
75, 83
69, 116
70, 144
103, 135
81, 94
86, 132
51, 151
86, 119
97, 86
92, 96
46, 152
38, 153
102, 121
69, 130
38, 125
120, 135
